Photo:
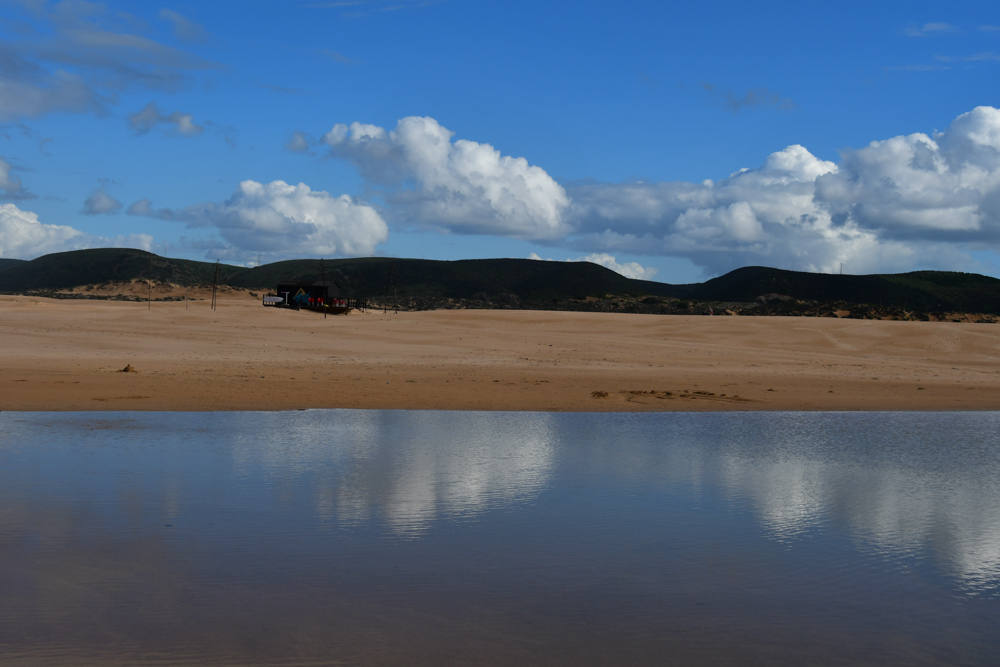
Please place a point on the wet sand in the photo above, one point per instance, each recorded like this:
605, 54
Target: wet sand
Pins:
65, 355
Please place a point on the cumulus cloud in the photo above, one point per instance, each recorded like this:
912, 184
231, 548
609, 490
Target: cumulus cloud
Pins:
461, 186
150, 116
100, 203
941, 187
903, 203
768, 215
944, 187
23, 236
279, 220
907, 202
627, 269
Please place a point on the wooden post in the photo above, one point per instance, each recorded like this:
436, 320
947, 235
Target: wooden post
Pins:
391, 282
326, 290
215, 283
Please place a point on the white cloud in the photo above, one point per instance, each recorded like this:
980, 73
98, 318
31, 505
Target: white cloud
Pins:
279, 220
907, 202
766, 215
461, 186
903, 203
945, 187
23, 236
628, 269
180, 123
101, 203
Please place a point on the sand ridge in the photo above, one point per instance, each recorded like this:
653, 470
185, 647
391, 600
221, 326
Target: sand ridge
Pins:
65, 355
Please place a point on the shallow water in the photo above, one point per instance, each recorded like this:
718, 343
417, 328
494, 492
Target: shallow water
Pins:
367, 537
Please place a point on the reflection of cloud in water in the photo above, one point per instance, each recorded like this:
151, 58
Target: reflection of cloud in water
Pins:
407, 468
917, 485
903, 486
901, 490
787, 496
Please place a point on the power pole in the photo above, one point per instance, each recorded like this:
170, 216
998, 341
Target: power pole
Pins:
326, 290
391, 281
149, 285
215, 283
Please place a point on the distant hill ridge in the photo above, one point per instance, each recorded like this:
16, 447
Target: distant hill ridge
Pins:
521, 280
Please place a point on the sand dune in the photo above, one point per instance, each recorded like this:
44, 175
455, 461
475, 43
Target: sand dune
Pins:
65, 355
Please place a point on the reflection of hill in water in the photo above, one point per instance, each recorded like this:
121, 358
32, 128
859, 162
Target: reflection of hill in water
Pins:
408, 468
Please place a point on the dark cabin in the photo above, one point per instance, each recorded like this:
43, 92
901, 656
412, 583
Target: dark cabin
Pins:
308, 293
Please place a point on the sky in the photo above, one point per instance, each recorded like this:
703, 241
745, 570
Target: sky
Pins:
667, 141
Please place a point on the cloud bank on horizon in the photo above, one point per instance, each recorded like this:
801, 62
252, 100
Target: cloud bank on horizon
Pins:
23, 235
898, 203
920, 200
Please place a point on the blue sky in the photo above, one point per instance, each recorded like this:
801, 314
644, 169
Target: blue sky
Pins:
668, 141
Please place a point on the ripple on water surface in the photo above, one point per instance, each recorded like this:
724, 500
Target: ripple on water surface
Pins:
393, 537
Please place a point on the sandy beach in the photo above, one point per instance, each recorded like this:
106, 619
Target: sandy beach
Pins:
68, 354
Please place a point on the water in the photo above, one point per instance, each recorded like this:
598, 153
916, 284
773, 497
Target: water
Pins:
366, 537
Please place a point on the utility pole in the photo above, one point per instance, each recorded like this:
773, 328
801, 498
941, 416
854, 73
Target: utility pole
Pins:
149, 285
215, 283
326, 290
391, 282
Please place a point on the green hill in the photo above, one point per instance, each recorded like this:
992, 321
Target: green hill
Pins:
920, 290
464, 279
530, 283
65, 270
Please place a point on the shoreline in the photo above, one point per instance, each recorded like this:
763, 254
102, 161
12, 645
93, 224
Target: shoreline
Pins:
65, 355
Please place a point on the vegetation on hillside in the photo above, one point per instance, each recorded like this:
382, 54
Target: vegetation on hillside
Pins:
522, 283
